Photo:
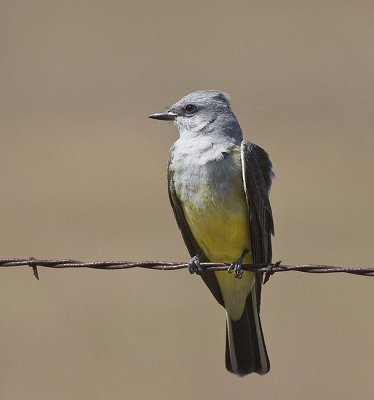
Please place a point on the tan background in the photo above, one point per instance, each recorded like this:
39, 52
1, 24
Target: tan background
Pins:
83, 176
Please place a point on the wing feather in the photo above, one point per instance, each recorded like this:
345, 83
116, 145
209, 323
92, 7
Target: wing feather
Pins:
257, 177
191, 244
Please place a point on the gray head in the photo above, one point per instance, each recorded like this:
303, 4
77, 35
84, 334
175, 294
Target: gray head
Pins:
203, 113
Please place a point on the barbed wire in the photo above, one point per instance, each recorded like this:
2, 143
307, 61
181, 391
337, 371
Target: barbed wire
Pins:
269, 269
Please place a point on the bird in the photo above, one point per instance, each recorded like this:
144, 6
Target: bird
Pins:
218, 185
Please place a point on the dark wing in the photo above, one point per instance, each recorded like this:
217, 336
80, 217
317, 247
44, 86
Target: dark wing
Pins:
192, 246
257, 176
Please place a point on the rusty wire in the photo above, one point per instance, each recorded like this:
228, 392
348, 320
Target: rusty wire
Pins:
269, 269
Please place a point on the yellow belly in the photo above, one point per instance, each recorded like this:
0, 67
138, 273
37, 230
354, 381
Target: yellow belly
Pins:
221, 229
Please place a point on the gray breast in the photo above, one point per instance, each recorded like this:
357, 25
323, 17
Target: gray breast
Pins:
202, 168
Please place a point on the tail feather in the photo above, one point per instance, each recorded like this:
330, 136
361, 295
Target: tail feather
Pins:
245, 345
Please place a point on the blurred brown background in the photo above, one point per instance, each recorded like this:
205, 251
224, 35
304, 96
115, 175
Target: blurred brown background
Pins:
83, 175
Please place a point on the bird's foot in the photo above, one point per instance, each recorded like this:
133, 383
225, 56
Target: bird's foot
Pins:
194, 265
236, 266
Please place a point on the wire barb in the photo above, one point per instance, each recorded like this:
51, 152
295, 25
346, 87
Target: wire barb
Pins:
269, 269
34, 267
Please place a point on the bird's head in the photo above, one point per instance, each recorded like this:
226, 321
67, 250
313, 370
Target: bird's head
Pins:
201, 113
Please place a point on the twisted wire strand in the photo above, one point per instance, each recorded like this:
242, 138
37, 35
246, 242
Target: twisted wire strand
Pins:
269, 269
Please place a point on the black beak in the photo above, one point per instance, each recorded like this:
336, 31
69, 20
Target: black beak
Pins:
164, 116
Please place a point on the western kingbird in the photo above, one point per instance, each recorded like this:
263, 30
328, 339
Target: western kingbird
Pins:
218, 188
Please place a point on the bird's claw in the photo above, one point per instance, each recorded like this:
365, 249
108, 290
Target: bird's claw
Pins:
194, 266
237, 268
237, 265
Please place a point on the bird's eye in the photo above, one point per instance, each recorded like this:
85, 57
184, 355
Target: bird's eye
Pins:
190, 108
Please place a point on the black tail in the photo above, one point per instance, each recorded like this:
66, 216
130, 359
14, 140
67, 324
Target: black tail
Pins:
245, 345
